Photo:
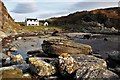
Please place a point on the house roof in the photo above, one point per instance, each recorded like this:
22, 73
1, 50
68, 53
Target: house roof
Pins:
31, 19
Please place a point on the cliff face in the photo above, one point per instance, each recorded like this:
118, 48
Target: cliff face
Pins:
7, 24
109, 17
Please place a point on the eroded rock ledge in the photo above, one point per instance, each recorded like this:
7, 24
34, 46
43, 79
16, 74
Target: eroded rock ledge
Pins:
56, 47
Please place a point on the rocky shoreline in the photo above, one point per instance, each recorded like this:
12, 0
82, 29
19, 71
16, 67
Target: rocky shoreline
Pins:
58, 58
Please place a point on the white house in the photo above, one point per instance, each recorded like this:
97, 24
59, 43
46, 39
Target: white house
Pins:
31, 22
46, 24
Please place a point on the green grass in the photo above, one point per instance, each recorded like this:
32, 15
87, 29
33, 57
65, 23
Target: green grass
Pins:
39, 28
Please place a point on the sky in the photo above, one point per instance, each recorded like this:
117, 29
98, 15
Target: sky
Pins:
44, 9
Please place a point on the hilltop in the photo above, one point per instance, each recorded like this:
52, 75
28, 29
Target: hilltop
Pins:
105, 18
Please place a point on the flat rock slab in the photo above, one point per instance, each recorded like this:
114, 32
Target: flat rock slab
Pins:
59, 46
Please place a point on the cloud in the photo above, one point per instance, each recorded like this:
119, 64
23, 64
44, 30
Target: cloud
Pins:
92, 5
49, 15
79, 6
28, 7
23, 1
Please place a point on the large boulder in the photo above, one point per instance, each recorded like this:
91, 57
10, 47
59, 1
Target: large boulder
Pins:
91, 67
58, 46
41, 67
115, 55
89, 61
113, 61
67, 65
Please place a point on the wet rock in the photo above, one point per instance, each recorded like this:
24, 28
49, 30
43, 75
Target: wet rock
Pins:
115, 55
5, 59
37, 53
55, 33
87, 36
2, 55
92, 67
10, 59
24, 67
41, 67
2, 58
67, 65
105, 39
58, 46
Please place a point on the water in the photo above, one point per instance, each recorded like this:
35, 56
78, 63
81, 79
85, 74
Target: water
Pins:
97, 43
27, 44
100, 46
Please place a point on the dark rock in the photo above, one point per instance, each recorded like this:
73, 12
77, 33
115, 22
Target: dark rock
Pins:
87, 36
37, 53
105, 39
55, 47
55, 33
115, 55
113, 61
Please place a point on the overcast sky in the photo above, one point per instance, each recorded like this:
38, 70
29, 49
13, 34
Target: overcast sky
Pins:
44, 9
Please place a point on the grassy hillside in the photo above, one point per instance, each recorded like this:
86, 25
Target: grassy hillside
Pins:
40, 28
109, 17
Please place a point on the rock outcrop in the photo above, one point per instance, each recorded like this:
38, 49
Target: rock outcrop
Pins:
7, 23
67, 65
57, 47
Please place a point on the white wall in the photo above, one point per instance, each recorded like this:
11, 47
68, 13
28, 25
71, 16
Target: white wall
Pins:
30, 23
